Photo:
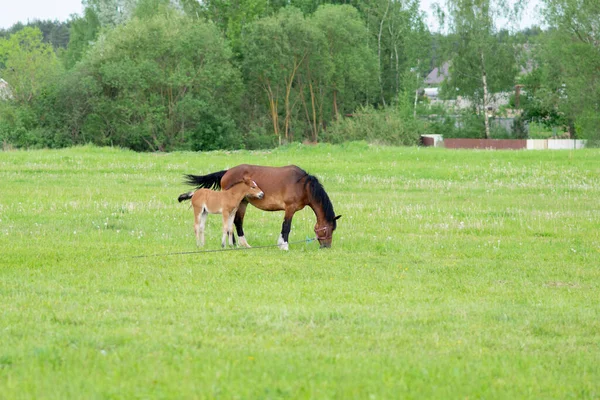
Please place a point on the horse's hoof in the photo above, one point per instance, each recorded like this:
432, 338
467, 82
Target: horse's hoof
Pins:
243, 242
284, 246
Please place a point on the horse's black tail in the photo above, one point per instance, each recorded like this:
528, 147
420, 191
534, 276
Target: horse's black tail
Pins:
210, 181
185, 196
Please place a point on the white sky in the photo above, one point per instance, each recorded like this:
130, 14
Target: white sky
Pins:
13, 11
529, 17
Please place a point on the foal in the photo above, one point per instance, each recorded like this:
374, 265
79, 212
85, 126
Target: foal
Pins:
226, 202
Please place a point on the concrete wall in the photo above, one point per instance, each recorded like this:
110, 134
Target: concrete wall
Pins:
565, 144
555, 144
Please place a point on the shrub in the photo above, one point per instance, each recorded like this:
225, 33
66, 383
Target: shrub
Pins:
519, 130
444, 125
258, 137
588, 128
386, 126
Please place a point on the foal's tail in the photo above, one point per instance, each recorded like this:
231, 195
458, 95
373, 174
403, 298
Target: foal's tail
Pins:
210, 181
185, 196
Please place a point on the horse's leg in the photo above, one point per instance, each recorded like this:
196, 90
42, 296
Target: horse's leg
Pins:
239, 221
286, 227
201, 225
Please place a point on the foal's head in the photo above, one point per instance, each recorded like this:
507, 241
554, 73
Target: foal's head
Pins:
252, 189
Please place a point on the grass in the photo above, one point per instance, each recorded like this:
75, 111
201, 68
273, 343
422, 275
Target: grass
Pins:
453, 274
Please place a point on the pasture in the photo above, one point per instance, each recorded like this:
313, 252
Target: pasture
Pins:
453, 274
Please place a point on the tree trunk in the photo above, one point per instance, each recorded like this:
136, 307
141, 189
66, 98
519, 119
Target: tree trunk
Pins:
314, 112
485, 97
397, 70
379, 51
304, 105
273, 110
396, 58
416, 90
288, 90
335, 107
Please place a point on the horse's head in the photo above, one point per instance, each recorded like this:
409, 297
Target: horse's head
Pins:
324, 231
252, 189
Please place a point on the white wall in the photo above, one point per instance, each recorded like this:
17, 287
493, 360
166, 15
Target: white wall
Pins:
555, 144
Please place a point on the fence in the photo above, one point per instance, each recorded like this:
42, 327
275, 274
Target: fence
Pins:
498, 144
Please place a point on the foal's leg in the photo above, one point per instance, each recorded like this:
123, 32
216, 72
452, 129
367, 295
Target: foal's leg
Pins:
225, 226
230, 227
197, 225
286, 227
201, 224
239, 221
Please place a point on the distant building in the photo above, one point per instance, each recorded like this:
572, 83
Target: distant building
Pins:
433, 81
437, 75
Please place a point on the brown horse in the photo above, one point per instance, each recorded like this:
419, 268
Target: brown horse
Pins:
206, 201
287, 189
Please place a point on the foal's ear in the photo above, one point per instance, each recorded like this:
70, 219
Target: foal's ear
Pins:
337, 217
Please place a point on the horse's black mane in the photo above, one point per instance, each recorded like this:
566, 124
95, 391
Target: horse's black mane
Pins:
319, 195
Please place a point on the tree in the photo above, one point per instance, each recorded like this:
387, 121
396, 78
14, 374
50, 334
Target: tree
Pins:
33, 72
483, 60
111, 12
27, 64
310, 68
352, 80
84, 31
159, 83
275, 48
569, 63
54, 32
400, 39
232, 16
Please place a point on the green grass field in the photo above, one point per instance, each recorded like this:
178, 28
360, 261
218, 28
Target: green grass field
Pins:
453, 274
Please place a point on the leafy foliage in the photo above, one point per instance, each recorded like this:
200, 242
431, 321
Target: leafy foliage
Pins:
569, 61
159, 83
55, 33
33, 73
84, 32
387, 126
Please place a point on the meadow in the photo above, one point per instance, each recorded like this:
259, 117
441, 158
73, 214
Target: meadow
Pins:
453, 274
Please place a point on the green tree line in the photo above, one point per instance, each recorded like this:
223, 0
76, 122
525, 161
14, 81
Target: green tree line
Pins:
160, 75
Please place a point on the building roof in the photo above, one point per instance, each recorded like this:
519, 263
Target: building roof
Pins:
438, 74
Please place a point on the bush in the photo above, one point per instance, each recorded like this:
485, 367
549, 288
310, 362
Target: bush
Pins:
519, 129
386, 126
442, 125
258, 137
18, 127
588, 128
465, 125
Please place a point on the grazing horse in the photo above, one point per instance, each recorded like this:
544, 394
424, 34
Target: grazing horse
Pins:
206, 201
286, 189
